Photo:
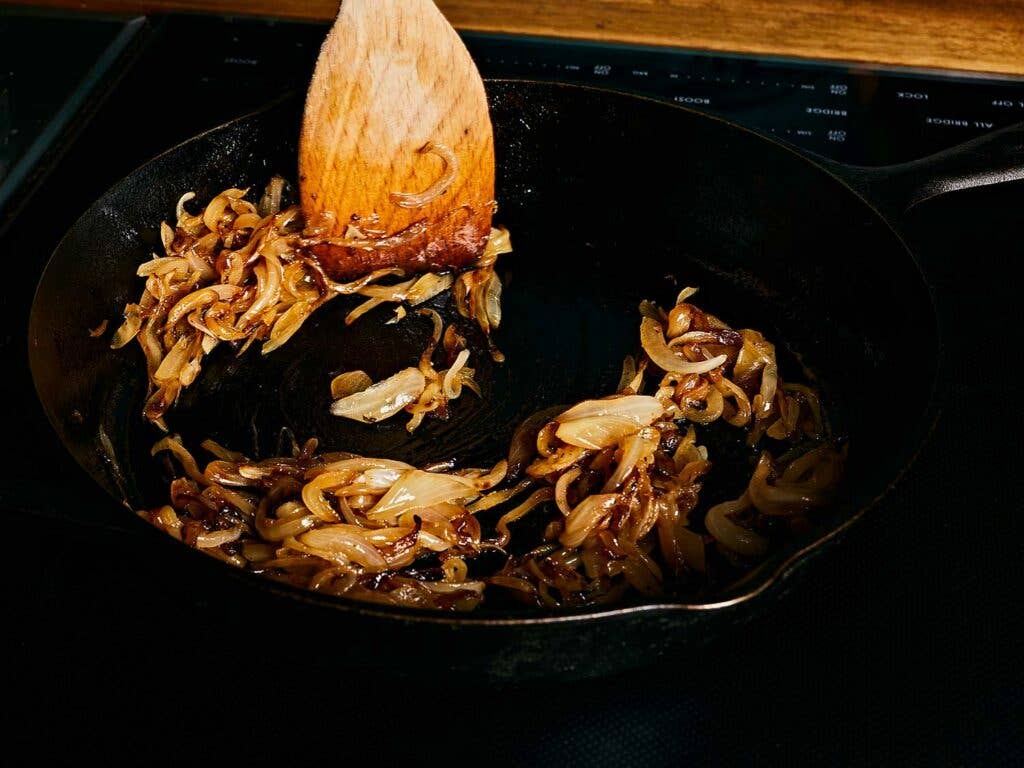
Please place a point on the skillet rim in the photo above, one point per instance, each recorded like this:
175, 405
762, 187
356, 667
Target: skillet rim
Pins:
771, 579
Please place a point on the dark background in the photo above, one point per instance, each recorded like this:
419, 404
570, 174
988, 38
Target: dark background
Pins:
901, 646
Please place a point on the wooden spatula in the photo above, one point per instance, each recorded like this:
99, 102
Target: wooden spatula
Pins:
396, 109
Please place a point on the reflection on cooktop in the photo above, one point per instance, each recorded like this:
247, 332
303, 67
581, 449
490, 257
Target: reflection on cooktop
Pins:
39, 97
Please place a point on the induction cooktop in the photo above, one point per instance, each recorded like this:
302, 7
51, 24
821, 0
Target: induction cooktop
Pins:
918, 595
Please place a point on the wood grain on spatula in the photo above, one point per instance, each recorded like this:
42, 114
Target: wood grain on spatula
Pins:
394, 78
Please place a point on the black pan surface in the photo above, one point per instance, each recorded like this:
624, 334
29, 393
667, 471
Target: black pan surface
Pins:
610, 199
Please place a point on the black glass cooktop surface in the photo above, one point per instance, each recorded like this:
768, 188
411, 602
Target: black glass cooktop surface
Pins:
896, 647
54, 71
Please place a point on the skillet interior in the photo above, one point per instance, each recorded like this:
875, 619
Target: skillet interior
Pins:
610, 199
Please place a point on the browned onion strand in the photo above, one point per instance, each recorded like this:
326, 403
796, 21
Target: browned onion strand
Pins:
242, 273
477, 291
613, 485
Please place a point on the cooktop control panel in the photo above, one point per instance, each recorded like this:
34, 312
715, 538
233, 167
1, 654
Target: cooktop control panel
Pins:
861, 116
865, 116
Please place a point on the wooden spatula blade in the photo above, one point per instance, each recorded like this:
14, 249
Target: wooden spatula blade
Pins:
394, 92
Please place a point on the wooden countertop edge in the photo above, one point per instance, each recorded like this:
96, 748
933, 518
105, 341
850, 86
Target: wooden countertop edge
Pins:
967, 35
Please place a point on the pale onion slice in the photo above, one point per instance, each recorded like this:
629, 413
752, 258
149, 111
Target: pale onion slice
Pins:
451, 385
218, 538
313, 494
378, 478
384, 399
652, 337
597, 424
359, 464
218, 206
334, 541
417, 488
382, 537
586, 517
427, 287
179, 209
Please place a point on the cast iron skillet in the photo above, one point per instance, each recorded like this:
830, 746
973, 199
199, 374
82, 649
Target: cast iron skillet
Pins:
610, 199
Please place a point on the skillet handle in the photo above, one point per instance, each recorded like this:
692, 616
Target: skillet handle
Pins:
994, 158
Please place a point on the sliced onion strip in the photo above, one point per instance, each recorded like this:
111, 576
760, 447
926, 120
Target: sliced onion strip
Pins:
652, 338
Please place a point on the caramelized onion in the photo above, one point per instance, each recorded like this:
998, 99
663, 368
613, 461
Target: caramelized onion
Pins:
426, 287
652, 338
596, 424
162, 265
270, 203
586, 517
635, 448
229, 273
729, 534
173, 444
538, 497
129, 329
288, 325
523, 447
451, 385
218, 538
624, 477
417, 488
342, 542
201, 298
492, 300
179, 208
